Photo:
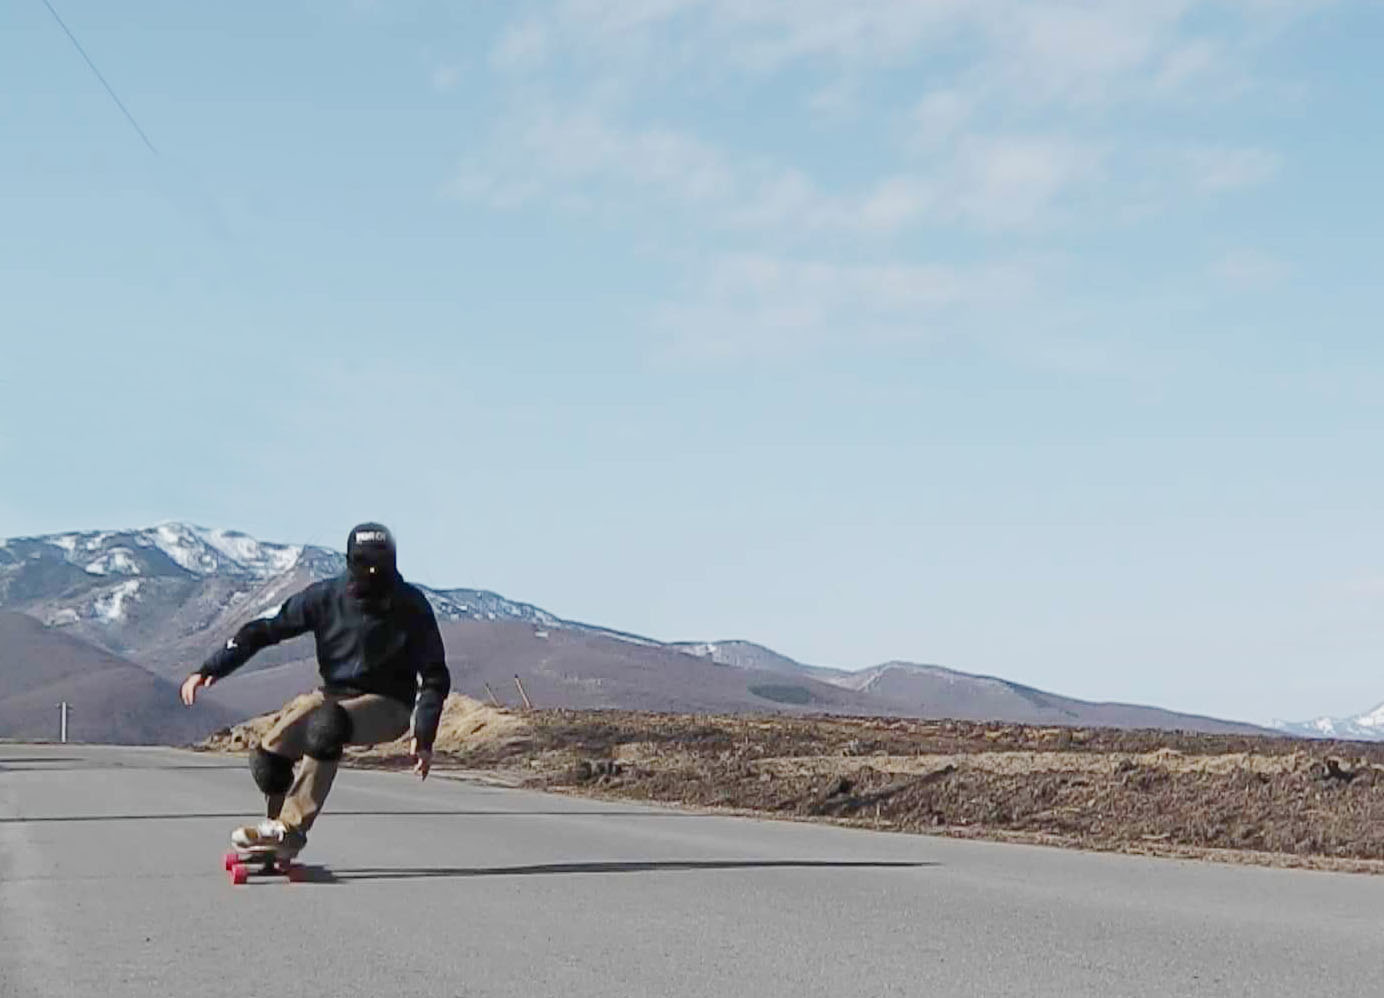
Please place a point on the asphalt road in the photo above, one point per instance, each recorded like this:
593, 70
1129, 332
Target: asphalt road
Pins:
111, 885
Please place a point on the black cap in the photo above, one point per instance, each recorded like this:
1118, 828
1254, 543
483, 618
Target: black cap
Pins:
370, 566
371, 545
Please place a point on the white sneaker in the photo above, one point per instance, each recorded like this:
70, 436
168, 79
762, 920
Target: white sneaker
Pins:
268, 834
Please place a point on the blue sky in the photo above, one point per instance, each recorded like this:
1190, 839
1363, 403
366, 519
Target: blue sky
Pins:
1039, 339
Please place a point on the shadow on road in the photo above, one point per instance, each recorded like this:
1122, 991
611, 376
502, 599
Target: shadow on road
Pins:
338, 875
36, 760
245, 815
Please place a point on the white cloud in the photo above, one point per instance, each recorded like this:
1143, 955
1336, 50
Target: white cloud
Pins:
445, 78
1027, 116
991, 181
522, 47
980, 146
1078, 52
894, 203
1371, 587
1215, 169
1024, 51
787, 201
836, 99
586, 146
493, 189
1187, 63
553, 153
754, 305
940, 114
1249, 269
1014, 181
762, 35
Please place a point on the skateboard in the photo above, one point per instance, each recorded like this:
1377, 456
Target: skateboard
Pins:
240, 863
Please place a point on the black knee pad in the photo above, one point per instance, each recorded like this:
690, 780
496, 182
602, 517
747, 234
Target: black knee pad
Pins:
273, 773
328, 731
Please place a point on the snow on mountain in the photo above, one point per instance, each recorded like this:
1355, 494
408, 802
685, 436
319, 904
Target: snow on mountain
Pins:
1373, 720
263, 574
68, 542
1368, 727
206, 552
116, 561
197, 550
478, 604
481, 604
739, 655
748, 655
202, 551
110, 605
870, 679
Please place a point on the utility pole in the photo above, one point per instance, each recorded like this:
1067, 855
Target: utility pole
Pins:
63, 709
527, 704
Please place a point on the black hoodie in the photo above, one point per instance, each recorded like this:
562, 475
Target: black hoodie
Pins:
390, 646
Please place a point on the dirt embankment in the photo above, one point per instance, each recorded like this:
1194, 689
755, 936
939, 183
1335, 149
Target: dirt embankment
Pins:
1245, 798
468, 727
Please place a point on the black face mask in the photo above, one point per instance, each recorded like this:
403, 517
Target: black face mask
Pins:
370, 580
371, 572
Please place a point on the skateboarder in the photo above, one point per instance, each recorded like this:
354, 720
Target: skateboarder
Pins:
381, 660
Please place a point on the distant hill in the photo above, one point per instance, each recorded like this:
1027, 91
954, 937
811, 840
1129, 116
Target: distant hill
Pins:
748, 655
113, 700
915, 690
979, 698
563, 667
135, 610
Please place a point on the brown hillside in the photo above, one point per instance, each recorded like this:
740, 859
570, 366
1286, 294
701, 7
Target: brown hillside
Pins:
113, 701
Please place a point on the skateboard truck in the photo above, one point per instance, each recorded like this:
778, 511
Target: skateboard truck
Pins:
266, 862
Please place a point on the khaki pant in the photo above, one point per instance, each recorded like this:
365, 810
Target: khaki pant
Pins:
374, 719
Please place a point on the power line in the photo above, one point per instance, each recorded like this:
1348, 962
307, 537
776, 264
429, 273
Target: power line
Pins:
118, 102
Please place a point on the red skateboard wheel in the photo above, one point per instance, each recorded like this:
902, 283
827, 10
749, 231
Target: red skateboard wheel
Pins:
295, 873
229, 860
239, 874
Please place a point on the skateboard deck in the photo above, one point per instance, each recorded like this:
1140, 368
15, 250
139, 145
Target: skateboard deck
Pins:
241, 863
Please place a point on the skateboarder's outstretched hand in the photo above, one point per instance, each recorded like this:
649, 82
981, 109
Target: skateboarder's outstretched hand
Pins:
192, 684
422, 759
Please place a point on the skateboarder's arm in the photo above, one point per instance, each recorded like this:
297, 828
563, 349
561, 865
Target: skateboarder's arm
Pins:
434, 681
295, 617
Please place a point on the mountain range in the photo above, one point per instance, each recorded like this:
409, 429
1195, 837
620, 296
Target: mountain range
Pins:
1366, 727
111, 621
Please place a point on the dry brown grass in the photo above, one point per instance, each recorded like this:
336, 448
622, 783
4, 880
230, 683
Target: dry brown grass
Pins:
467, 726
